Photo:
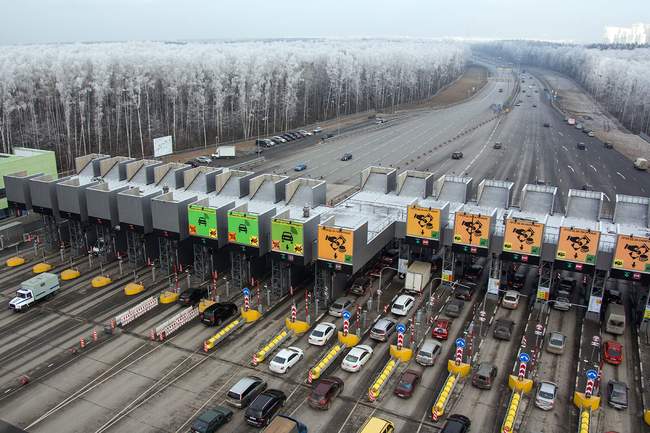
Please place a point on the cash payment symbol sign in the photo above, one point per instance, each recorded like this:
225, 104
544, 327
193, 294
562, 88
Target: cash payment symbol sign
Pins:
423, 223
202, 221
243, 228
577, 245
523, 236
335, 245
471, 229
632, 254
287, 236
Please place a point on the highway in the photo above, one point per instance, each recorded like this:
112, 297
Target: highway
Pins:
129, 384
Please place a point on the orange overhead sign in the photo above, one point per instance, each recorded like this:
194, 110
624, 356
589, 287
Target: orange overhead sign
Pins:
335, 244
471, 229
523, 237
577, 245
632, 253
422, 222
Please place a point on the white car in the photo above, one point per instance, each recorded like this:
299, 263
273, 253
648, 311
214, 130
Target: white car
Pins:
317, 130
303, 132
322, 333
545, 398
356, 358
284, 359
510, 300
402, 305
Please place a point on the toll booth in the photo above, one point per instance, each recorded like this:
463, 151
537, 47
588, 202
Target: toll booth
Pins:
294, 231
356, 230
17, 190
134, 210
249, 228
169, 212
101, 203
71, 195
207, 220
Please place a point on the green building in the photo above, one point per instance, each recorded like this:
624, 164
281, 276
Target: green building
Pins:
27, 160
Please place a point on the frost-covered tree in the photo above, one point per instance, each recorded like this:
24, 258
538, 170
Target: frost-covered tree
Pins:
116, 97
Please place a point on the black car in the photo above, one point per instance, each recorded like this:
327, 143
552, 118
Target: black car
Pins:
210, 420
617, 394
192, 296
295, 135
264, 407
346, 157
547, 125
287, 137
608, 145
215, 314
464, 292
580, 146
192, 163
457, 155
456, 424
503, 329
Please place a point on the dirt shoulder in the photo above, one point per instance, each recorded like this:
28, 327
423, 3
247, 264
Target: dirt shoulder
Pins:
461, 89
577, 103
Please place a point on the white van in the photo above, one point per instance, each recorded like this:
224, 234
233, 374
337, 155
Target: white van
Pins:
615, 319
641, 164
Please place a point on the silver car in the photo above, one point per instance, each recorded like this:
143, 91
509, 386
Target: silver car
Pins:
336, 309
556, 343
383, 329
429, 351
545, 397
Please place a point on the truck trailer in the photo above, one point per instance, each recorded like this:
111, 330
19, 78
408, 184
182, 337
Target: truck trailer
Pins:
417, 277
33, 290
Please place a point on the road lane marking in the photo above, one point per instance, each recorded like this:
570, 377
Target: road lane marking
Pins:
561, 135
593, 168
565, 149
571, 168
621, 175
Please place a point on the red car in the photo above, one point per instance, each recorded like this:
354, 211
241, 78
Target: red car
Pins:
324, 391
407, 383
613, 352
440, 329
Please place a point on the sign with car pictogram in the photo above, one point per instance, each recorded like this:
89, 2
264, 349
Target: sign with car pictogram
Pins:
202, 221
523, 237
243, 228
577, 245
472, 229
287, 236
632, 254
423, 222
335, 244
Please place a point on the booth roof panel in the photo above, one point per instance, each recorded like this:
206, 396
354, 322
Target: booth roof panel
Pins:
295, 212
259, 207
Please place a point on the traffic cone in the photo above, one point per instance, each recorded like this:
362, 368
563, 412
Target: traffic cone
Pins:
152, 334
205, 346
82, 343
95, 335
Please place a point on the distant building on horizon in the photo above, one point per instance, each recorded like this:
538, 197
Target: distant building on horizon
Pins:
635, 34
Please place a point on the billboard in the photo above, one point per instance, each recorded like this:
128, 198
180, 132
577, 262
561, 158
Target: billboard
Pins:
287, 237
632, 253
202, 221
577, 245
243, 228
335, 245
162, 146
423, 222
523, 237
473, 230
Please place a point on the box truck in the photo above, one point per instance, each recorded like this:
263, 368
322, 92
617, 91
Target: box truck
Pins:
224, 152
418, 275
641, 164
34, 289
615, 319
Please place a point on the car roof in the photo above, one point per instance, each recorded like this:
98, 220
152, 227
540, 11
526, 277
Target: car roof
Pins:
430, 343
613, 343
402, 298
323, 326
244, 383
360, 349
383, 322
547, 385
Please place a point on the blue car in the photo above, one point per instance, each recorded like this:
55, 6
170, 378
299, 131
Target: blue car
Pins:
300, 167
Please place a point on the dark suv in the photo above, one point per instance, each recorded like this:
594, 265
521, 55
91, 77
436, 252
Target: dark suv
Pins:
264, 407
503, 329
484, 375
215, 314
210, 420
192, 296
456, 424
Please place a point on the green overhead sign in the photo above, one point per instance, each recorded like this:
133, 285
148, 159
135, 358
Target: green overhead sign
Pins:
202, 221
287, 236
243, 228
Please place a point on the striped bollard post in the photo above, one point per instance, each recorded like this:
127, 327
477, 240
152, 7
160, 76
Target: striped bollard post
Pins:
400, 340
522, 370
294, 313
346, 327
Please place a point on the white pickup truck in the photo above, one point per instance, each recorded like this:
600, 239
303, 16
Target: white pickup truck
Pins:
34, 289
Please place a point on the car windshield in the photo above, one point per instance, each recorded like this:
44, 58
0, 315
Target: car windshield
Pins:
613, 351
321, 389
200, 426
351, 358
405, 385
24, 295
317, 333
337, 305
279, 360
545, 394
618, 393
426, 354
557, 341
440, 330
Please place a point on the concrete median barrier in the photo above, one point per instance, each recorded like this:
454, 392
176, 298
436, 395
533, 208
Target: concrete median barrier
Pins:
511, 413
584, 402
382, 379
70, 274
349, 340
132, 289
271, 346
524, 385
100, 281
403, 354
15, 261
39, 268
316, 371
251, 316
438, 408
168, 297
231, 327
462, 369
584, 420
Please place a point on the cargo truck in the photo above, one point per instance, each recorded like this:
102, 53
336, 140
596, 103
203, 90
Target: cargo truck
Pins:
224, 152
418, 275
571, 121
641, 164
615, 319
34, 289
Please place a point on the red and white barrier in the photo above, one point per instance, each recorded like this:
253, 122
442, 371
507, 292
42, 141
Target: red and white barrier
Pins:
294, 312
346, 327
247, 304
133, 313
459, 355
589, 388
400, 340
170, 326
522, 370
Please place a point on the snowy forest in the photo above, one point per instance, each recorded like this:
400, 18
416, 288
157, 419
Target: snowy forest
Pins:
115, 98
618, 79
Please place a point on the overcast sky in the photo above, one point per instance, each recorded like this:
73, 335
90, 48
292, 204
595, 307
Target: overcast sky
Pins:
36, 21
